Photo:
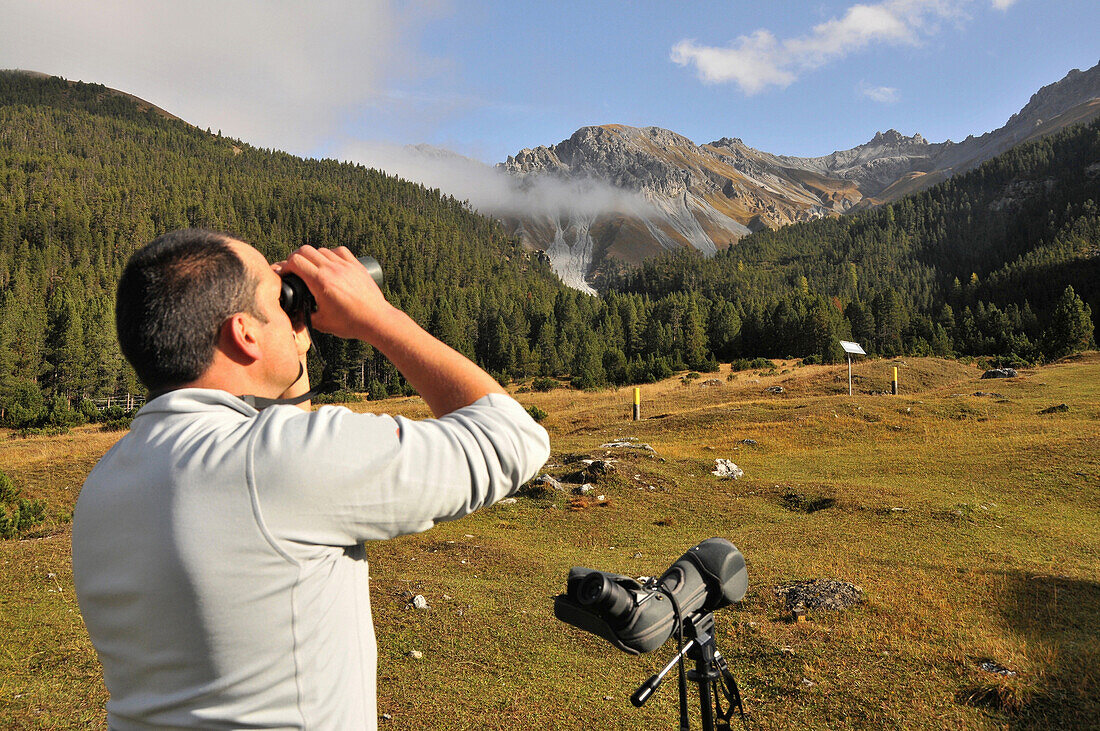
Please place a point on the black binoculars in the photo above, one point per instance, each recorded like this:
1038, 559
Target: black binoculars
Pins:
296, 299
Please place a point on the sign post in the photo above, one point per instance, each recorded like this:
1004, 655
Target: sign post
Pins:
851, 349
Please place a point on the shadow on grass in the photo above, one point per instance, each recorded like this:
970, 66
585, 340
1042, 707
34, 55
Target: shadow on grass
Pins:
1057, 617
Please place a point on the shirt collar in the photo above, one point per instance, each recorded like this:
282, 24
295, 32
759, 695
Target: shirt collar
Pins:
188, 400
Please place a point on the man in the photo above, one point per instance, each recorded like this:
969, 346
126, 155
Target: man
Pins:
218, 550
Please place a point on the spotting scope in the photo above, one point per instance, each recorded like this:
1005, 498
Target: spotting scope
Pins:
638, 618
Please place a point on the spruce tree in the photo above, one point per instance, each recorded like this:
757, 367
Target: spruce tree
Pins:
1071, 328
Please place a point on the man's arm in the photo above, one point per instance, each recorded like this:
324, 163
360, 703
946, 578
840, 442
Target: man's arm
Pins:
350, 305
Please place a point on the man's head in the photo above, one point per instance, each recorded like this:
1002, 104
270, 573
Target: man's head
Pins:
176, 295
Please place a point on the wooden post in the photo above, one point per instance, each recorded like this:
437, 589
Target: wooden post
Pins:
895, 380
637, 404
849, 374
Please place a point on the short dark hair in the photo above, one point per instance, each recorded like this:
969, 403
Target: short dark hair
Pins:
174, 296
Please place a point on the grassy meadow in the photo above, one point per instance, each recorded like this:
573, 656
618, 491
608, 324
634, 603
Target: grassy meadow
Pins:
971, 522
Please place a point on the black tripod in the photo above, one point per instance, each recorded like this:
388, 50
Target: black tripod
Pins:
711, 674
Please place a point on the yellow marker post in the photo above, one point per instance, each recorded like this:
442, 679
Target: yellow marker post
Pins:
895, 380
637, 404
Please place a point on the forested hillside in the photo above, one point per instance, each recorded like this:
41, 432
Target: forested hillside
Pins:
979, 265
1003, 261
86, 177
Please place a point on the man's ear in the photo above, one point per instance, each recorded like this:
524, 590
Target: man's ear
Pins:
238, 339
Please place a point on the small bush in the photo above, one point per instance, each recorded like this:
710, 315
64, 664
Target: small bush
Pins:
22, 404
29, 514
8, 491
544, 384
62, 414
756, 364
376, 390
120, 424
536, 413
25, 515
342, 396
55, 430
88, 410
112, 413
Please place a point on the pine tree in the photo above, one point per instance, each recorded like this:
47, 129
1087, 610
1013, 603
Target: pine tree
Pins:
588, 369
1071, 328
64, 345
723, 328
696, 356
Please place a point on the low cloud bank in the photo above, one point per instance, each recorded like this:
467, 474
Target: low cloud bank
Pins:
491, 190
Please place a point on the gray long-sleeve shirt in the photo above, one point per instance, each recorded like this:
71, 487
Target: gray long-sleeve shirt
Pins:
218, 554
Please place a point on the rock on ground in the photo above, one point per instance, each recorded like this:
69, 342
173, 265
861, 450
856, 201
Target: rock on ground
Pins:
627, 445
725, 468
1000, 373
820, 594
551, 483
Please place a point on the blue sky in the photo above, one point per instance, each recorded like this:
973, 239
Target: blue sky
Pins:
514, 75
486, 79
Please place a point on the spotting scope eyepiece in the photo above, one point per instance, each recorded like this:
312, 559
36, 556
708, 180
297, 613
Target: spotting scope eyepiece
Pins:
637, 618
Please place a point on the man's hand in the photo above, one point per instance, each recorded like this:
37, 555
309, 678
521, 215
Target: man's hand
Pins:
349, 302
350, 305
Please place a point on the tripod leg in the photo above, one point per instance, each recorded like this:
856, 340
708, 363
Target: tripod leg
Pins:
706, 704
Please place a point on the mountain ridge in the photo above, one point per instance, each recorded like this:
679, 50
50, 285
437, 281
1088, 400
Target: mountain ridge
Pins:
708, 196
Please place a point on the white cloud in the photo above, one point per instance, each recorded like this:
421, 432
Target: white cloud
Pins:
1003, 4
490, 189
883, 94
754, 63
759, 60
272, 72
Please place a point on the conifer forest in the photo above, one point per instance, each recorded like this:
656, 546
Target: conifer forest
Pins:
1002, 262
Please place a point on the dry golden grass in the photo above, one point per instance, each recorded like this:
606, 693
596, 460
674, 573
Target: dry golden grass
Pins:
972, 522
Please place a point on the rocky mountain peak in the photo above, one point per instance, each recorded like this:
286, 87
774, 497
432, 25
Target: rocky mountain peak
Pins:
632, 158
1075, 88
893, 138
